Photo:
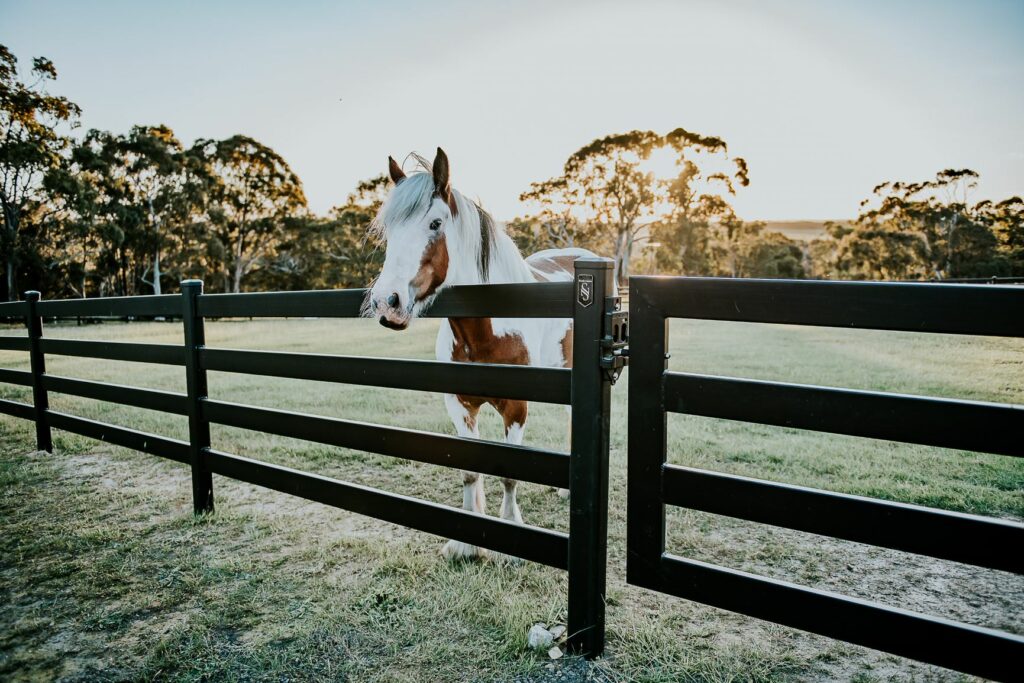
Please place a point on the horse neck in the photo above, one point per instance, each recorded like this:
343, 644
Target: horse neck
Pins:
505, 265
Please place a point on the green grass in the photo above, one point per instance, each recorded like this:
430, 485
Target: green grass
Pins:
104, 573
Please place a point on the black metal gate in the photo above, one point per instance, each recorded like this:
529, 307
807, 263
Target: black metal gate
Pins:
653, 484
586, 388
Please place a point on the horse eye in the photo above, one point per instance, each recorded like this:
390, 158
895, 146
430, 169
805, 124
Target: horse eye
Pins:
435, 224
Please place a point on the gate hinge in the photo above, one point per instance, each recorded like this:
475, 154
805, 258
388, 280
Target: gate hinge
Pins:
615, 339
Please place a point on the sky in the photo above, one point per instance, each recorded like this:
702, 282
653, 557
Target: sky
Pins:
823, 99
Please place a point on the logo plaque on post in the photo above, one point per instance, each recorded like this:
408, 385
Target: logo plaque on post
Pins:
585, 293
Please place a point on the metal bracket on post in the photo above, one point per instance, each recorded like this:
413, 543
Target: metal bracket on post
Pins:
37, 362
615, 342
195, 374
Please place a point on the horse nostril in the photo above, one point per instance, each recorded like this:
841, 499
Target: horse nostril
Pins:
393, 300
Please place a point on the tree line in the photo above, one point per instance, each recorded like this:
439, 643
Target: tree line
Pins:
610, 199
113, 214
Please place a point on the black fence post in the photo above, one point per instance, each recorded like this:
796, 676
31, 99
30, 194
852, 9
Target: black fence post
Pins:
37, 362
588, 479
195, 375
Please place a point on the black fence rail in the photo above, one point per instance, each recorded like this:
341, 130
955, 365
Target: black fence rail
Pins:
586, 388
972, 425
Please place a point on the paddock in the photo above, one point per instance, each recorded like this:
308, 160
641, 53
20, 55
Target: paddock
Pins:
393, 579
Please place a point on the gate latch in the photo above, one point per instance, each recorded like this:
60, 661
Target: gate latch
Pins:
615, 340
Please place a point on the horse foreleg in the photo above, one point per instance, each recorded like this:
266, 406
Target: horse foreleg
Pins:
564, 493
463, 416
514, 415
509, 506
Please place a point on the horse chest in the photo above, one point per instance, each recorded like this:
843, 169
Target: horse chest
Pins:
475, 342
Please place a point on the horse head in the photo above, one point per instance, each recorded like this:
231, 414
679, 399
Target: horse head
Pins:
416, 221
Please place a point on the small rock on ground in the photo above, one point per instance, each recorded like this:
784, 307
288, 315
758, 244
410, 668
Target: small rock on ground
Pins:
539, 637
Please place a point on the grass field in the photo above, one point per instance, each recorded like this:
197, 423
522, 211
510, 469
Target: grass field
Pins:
105, 574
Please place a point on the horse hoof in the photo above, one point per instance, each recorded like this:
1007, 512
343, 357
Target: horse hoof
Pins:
457, 551
563, 494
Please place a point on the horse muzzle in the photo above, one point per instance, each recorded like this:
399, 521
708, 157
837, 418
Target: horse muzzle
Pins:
393, 317
393, 325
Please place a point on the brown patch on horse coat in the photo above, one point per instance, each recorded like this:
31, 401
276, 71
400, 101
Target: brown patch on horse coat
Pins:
433, 268
471, 412
566, 345
475, 342
512, 411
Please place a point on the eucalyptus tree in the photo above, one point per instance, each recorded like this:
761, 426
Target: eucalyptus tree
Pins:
335, 251
252, 192
140, 192
772, 255
31, 144
556, 224
606, 185
152, 166
76, 212
700, 232
614, 197
921, 230
1005, 219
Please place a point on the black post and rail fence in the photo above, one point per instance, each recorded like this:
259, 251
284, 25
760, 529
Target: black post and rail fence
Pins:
196, 389
586, 388
600, 332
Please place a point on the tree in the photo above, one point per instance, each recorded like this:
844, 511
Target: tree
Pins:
860, 252
608, 196
1005, 220
253, 190
555, 225
935, 212
605, 184
770, 255
700, 229
331, 252
151, 160
142, 184
74, 197
923, 230
126, 195
30, 145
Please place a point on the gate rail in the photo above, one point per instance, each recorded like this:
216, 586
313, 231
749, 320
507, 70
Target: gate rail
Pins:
973, 425
586, 388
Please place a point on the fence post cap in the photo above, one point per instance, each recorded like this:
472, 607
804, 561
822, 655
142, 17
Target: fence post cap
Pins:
595, 262
191, 284
32, 295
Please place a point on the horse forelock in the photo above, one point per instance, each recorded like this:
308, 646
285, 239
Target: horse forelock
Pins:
407, 199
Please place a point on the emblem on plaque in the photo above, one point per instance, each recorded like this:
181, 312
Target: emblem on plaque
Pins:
585, 294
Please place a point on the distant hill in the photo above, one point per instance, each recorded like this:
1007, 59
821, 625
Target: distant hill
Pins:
804, 231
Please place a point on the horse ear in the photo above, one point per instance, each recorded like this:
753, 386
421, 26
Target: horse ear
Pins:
442, 183
395, 171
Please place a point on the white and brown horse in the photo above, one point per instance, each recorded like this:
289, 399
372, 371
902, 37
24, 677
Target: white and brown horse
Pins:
436, 238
